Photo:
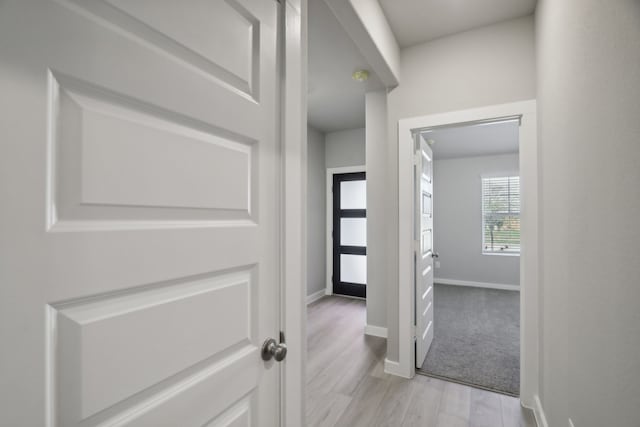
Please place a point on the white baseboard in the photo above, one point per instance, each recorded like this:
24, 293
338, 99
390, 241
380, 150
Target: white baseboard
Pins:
538, 412
376, 331
315, 296
477, 284
391, 367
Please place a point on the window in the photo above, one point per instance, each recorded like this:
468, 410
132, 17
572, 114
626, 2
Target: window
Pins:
501, 215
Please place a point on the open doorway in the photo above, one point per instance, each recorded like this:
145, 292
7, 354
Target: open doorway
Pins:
468, 271
408, 329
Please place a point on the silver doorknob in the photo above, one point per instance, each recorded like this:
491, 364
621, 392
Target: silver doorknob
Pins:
271, 349
435, 254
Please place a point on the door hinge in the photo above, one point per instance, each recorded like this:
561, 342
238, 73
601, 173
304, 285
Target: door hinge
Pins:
414, 333
416, 158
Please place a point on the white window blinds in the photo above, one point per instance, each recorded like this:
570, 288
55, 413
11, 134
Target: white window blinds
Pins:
501, 214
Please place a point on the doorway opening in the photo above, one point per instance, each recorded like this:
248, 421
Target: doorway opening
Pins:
525, 112
468, 269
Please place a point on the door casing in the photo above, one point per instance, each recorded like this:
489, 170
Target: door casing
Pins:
294, 209
529, 264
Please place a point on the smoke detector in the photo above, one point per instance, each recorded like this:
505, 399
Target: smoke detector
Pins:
360, 75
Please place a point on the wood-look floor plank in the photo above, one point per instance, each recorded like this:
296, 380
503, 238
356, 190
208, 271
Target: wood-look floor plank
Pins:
485, 410
372, 349
337, 337
365, 403
378, 369
425, 403
514, 415
395, 404
448, 420
456, 400
347, 386
324, 409
349, 367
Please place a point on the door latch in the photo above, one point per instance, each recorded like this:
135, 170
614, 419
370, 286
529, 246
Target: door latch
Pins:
272, 350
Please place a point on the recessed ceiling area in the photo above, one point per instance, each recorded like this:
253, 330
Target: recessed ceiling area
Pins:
335, 101
418, 21
485, 139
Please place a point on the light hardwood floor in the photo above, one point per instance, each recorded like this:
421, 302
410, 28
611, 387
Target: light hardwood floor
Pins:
347, 386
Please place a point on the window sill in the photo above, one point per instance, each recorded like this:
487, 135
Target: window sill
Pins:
501, 253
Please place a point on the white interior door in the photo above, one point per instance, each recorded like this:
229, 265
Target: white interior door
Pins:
424, 249
139, 253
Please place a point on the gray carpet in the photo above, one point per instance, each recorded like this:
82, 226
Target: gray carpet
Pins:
476, 337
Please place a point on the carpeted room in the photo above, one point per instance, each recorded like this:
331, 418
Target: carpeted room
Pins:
476, 208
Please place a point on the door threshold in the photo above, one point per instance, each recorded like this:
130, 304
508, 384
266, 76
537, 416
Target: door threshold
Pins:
347, 296
457, 381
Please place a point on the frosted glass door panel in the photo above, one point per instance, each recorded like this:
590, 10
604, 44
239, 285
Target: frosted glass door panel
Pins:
353, 231
353, 268
349, 272
353, 195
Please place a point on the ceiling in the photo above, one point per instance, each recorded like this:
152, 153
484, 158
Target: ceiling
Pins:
474, 140
418, 21
335, 100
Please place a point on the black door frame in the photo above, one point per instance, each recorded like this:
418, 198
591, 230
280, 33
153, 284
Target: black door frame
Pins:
340, 287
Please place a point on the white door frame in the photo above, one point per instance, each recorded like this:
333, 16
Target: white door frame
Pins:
294, 206
529, 292
329, 237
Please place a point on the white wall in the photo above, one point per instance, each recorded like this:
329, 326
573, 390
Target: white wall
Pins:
377, 27
334, 149
376, 156
457, 221
316, 212
366, 24
487, 66
589, 134
345, 148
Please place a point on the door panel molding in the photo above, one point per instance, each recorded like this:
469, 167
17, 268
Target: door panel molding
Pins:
162, 34
95, 182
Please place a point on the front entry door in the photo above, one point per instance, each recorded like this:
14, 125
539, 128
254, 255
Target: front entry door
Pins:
139, 250
424, 249
350, 234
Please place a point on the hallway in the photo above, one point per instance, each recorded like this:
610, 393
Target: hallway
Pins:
347, 386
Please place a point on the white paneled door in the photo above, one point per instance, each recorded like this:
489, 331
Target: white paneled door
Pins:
424, 249
140, 212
